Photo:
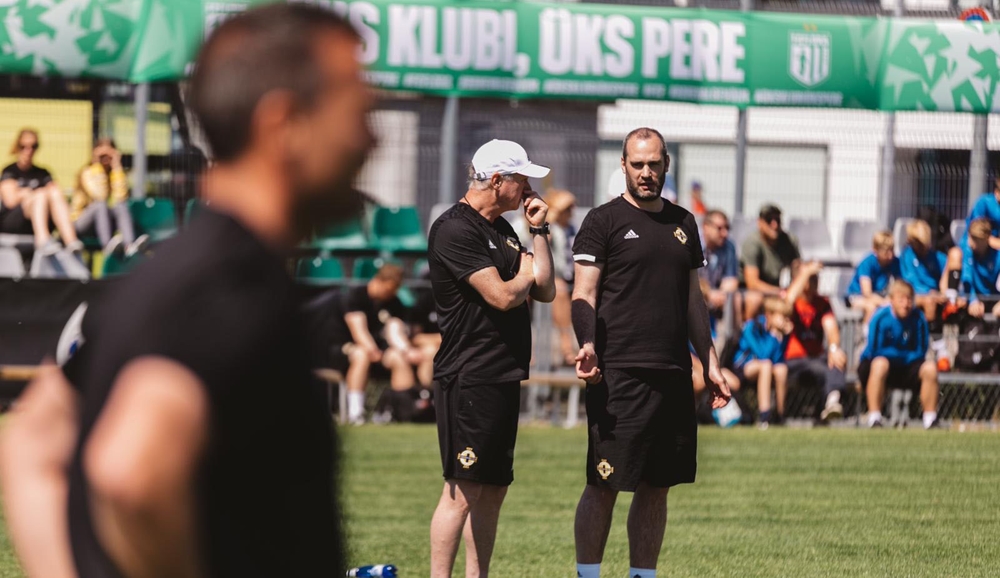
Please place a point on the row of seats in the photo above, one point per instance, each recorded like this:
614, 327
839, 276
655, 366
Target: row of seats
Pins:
321, 270
391, 229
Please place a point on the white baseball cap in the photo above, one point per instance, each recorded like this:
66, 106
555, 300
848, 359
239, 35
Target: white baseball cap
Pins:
507, 158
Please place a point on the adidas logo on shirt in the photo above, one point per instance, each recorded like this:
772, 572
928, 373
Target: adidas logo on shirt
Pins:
492, 246
631, 235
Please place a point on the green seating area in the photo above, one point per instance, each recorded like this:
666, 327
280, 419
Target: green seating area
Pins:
388, 231
154, 217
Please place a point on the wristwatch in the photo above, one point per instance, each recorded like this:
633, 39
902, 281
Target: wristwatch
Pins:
543, 230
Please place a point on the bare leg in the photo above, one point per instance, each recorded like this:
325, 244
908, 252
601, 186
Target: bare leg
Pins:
593, 522
37, 209
760, 369
59, 208
780, 385
876, 383
929, 386
481, 530
401, 377
752, 301
647, 520
447, 524
697, 377
731, 379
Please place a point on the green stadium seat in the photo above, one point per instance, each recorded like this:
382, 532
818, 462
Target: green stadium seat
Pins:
114, 265
319, 271
154, 217
91, 243
346, 236
366, 267
398, 229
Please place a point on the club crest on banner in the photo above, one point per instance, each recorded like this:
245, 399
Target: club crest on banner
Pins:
809, 56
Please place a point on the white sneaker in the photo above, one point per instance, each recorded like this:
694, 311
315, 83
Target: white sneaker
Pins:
137, 246
832, 411
49, 248
115, 245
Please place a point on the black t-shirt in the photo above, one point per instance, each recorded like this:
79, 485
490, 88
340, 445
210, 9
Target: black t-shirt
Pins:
217, 301
33, 178
357, 300
642, 298
479, 343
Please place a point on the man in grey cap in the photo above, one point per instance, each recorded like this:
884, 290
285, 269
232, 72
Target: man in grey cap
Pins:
481, 278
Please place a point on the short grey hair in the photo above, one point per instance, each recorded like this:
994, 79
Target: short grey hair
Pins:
482, 184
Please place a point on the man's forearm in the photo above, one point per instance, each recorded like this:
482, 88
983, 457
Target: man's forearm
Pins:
584, 321
699, 330
545, 283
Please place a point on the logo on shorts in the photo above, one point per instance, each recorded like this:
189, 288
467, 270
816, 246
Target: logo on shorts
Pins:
604, 469
467, 458
681, 236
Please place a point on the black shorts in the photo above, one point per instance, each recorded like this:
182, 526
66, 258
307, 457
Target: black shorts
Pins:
901, 375
477, 429
642, 428
15, 222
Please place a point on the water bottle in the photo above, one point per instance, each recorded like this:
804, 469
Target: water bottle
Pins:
373, 571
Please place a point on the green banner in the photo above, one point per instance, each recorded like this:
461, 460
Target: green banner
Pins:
561, 51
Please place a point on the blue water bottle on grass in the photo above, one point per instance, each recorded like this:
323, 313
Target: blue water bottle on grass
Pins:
374, 571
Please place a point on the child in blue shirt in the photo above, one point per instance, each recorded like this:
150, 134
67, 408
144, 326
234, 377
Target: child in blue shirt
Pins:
923, 268
761, 357
896, 356
981, 269
988, 208
872, 277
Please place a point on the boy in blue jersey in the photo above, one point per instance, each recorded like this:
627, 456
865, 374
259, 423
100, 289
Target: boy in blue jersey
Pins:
923, 268
988, 208
981, 269
761, 357
896, 356
873, 275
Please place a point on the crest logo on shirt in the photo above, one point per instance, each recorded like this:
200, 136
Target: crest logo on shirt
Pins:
513, 244
681, 236
604, 469
467, 458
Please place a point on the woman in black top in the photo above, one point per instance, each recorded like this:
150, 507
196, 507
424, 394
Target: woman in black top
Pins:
30, 199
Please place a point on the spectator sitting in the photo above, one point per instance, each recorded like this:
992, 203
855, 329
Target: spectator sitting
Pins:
366, 334
426, 335
813, 322
981, 269
896, 355
987, 208
761, 357
722, 266
923, 268
766, 252
31, 199
872, 277
98, 204
697, 369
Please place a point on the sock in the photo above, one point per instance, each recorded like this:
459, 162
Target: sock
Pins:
833, 398
355, 404
588, 571
874, 416
642, 573
929, 417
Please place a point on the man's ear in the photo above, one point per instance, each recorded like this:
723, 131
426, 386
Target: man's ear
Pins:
666, 164
271, 117
496, 180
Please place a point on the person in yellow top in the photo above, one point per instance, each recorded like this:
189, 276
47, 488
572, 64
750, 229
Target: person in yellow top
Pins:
99, 202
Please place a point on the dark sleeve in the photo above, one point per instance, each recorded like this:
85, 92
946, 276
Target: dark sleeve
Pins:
357, 300
398, 310
591, 243
44, 177
8, 173
460, 251
694, 241
793, 244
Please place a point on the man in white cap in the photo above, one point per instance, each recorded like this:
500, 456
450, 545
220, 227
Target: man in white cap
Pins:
481, 277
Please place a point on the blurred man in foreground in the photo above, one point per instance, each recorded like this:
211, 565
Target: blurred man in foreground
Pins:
186, 437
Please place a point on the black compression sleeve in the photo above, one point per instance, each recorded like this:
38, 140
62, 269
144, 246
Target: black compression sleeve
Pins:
699, 330
584, 321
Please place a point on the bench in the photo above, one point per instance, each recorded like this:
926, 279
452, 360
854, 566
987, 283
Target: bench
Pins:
568, 381
17, 241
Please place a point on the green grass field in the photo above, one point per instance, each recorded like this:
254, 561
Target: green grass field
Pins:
777, 503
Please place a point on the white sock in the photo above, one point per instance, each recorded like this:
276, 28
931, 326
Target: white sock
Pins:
929, 417
874, 416
355, 404
588, 571
833, 398
642, 573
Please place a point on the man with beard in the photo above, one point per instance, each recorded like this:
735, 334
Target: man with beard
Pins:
636, 304
186, 437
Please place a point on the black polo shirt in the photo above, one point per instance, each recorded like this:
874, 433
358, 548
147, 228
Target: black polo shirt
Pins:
479, 343
217, 301
33, 178
642, 298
